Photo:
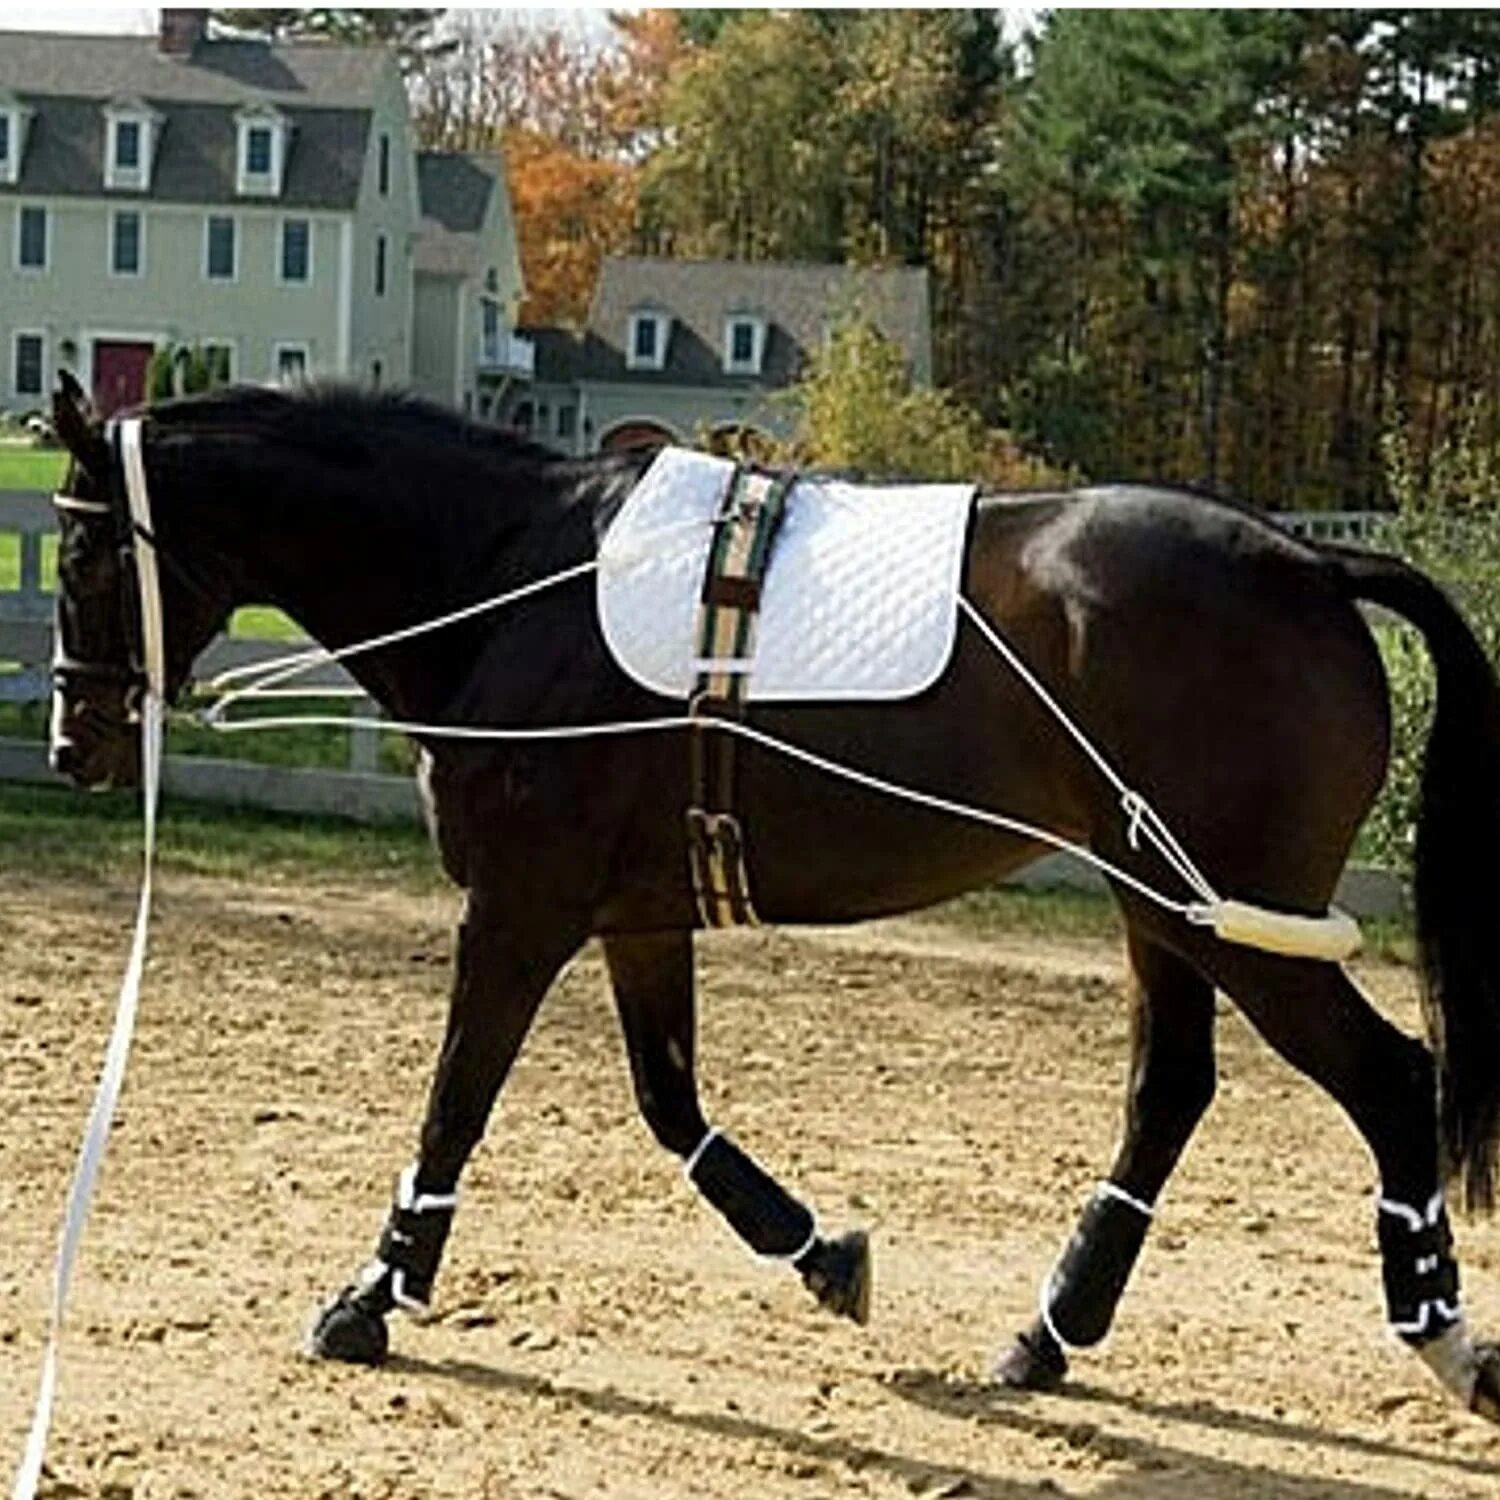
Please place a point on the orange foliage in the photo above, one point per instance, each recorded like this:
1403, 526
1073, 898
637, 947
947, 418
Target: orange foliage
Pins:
571, 210
574, 149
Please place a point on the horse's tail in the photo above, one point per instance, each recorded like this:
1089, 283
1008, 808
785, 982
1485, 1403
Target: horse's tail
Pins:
1458, 835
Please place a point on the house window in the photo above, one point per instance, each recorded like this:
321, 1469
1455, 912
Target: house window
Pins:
31, 249
291, 363
28, 364
125, 243
258, 151
567, 421
744, 344
296, 246
220, 253
12, 136
524, 417
646, 340
380, 265
385, 166
129, 132
128, 145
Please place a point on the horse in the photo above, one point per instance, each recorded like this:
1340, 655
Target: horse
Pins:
1221, 660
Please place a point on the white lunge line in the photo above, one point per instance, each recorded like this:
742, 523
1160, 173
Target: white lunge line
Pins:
112, 1075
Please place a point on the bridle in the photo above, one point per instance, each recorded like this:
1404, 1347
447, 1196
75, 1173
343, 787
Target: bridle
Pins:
144, 667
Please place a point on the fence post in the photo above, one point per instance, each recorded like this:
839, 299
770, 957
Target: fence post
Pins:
364, 744
31, 562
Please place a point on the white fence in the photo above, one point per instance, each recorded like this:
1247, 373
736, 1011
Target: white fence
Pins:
358, 791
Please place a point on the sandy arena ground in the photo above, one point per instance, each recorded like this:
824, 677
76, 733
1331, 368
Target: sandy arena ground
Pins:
601, 1332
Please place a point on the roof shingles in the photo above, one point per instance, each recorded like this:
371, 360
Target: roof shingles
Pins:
800, 303
325, 92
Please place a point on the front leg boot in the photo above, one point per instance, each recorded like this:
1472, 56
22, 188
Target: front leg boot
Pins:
352, 1326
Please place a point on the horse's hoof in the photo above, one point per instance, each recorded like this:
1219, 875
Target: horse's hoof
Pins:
348, 1332
1486, 1397
840, 1274
1035, 1362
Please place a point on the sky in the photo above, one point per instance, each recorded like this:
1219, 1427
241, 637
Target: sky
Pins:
22, 15
140, 20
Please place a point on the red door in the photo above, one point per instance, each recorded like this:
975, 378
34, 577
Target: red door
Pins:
119, 374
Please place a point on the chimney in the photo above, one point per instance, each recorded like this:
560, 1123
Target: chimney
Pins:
181, 31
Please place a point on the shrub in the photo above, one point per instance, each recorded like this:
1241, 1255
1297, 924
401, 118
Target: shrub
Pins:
1447, 523
857, 409
161, 375
184, 370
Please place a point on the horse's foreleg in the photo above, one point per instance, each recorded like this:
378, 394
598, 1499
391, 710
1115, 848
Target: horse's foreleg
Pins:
503, 968
1171, 1084
652, 974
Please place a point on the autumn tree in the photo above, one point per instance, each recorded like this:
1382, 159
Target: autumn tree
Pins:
834, 135
573, 120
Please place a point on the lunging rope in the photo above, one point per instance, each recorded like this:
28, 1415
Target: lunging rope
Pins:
117, 1053
1333, 937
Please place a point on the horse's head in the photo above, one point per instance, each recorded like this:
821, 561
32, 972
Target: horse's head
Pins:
98, 672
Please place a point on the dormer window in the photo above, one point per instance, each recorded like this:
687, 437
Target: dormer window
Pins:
744, 344
13, 119
260, 152
647, 349
129, 145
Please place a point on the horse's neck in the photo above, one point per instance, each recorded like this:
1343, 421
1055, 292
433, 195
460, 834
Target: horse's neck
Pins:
349, 579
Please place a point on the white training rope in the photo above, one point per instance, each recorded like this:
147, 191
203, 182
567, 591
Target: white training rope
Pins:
268, 679
265, 679
1143, 819
1332, 937
112, 1075
1194, 911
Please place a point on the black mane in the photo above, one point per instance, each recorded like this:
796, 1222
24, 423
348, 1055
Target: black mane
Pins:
327, 413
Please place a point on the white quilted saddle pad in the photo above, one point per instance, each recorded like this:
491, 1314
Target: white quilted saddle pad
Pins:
860, 600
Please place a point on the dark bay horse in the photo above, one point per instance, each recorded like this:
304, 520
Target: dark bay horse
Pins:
1221, 663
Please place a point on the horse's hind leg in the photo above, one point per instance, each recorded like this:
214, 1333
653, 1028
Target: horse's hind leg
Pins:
1313, 1015
504, 966
1171, 1083
652, 974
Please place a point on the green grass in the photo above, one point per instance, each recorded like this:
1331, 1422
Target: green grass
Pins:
31, 468
312, 747
55, 833
10, 561
259, 622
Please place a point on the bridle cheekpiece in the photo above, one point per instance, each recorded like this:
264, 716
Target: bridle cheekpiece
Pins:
144, 667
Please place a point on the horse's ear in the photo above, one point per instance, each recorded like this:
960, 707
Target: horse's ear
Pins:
77, 427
